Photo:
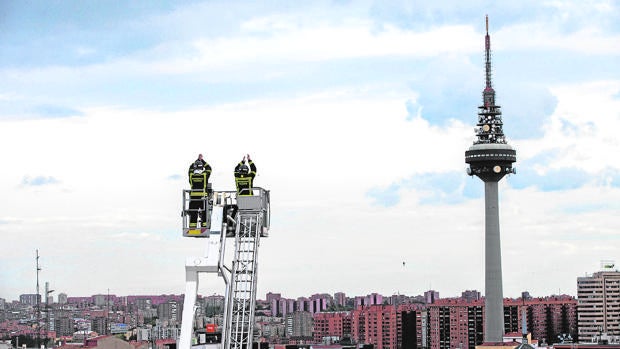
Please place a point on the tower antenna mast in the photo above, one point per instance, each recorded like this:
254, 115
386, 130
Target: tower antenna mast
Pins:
487, 56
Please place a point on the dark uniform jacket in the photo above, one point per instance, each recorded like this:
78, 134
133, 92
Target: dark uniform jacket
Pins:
245, 182
198, 181
192, 167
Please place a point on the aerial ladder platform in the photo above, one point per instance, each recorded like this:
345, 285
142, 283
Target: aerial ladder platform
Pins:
243, 219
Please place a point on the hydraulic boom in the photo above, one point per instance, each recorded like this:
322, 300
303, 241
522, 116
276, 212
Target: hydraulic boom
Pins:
243, 219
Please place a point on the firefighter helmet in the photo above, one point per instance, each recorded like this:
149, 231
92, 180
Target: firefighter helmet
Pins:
243, 169
198, 167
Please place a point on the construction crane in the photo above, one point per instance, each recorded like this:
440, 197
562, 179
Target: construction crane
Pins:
244, 220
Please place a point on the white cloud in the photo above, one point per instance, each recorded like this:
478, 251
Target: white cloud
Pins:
582, 129
540, 36
7, 97
318, 155
115, 207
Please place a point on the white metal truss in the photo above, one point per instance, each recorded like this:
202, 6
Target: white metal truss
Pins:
242, 291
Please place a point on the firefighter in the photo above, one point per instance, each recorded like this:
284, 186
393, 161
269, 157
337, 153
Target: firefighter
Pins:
199, 173
244, 176
200, 160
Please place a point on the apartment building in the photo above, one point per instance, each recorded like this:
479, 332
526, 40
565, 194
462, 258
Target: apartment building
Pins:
459, 323
333, 325
598, 307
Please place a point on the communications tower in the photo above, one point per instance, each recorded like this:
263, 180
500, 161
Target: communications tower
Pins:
243, 219
490, 158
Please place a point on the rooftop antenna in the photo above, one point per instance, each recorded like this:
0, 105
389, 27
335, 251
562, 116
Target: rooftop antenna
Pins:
107, 326
38, 301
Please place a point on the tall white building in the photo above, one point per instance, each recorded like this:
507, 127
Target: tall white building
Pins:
598, 306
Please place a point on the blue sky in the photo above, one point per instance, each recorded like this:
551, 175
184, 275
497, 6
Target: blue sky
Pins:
357, 113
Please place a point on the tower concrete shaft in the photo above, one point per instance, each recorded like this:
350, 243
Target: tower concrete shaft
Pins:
490, 158
493, 289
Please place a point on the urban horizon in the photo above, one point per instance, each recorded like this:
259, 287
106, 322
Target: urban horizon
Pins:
387, 322
605, 265
207, 295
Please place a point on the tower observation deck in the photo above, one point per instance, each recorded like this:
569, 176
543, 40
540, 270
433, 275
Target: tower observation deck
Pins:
490, 158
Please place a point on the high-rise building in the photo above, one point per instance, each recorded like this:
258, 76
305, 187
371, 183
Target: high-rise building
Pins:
99, 324
283, 306
302, 304
411, 327
371, 299
340, 299
455, 323
170, 312
550, 317
30, 299
458, 323
299, 324
376, 325
275, 307
336, 325
598, 306
470, 295
490, 158
320, 302
431, 296
64, 326
272, 296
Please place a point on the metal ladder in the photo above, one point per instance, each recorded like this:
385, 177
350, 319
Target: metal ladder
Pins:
242, 296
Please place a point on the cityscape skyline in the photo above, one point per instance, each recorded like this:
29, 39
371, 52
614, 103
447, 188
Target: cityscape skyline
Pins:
104, 106
319, 318
429, 294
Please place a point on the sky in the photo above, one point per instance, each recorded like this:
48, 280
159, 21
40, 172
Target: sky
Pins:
357, 115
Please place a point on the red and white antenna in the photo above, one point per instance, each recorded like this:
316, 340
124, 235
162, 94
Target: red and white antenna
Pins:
488, 95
